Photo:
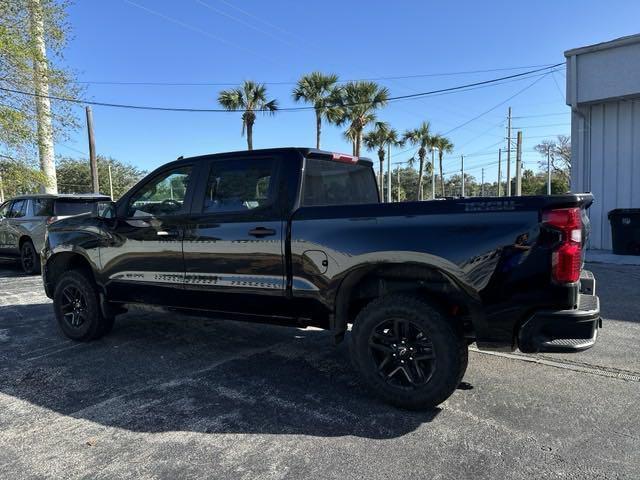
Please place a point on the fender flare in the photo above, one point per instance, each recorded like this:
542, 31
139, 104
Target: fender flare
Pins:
437, 278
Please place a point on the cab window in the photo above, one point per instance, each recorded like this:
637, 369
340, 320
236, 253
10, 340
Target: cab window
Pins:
161, 196
239, 186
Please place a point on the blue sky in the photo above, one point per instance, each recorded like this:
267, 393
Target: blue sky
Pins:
226, 41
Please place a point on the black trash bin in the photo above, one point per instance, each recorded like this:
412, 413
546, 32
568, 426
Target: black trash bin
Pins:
625, 230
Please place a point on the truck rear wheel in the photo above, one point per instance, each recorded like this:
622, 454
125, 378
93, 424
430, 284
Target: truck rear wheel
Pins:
29, 259
77, 309
407, 352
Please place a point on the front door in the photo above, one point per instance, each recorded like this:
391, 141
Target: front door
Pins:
13, 226
234, 246
142, 259
4, 225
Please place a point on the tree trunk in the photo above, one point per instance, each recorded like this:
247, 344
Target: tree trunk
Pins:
43, 107
420, 172
249, 134
441, 178
318, 128
381, 158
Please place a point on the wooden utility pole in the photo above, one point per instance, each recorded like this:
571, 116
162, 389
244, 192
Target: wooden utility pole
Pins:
482, 185
1, 190
519, 164
398, 183
110, 183
499, 172
509, 153
43, 106
92, 153
462, 170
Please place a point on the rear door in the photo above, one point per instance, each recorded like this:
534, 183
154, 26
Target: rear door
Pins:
233, 248
142, 260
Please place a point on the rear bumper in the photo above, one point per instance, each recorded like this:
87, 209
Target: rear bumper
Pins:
564, 330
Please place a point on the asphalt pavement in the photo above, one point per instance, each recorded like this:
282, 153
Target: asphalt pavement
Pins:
169, 396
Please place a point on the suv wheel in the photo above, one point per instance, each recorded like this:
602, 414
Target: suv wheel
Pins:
407, 352
29, 258
77, 309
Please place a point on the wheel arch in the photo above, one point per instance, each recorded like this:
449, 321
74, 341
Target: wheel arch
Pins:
24, 238
367, 283
61, 262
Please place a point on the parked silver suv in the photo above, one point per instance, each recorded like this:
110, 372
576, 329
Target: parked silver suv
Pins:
24, 219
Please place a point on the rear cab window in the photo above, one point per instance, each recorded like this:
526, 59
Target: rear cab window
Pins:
68, 207
328, 182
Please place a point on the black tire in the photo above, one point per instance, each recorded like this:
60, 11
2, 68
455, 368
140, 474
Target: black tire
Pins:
29, 258
407, 352
77, 309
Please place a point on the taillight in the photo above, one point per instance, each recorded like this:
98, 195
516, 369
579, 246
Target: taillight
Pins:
566, 259
50, 220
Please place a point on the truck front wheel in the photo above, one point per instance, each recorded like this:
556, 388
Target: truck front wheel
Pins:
407, 352
77, 308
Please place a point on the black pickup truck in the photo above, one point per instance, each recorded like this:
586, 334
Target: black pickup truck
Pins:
298, 236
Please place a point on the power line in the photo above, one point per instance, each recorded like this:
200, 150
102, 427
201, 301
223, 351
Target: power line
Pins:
206, 33
281, 82
499, 104
292, 109
542, 125
542, 115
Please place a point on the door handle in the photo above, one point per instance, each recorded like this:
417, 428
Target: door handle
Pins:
262, 232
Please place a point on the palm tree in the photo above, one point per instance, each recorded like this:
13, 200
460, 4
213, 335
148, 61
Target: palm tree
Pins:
358, 102
421, 137
251, 97
444, 145
320, 90
377, 139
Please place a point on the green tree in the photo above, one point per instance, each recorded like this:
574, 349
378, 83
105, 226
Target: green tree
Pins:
444, 145
18, 52
18, 178
250, 97
421, 137
74, 176
356, 105
376, 139
320, 90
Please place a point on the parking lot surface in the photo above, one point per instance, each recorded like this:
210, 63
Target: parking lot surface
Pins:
169, 396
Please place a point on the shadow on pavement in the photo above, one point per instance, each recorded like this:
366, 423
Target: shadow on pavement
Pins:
10, 267
167, 372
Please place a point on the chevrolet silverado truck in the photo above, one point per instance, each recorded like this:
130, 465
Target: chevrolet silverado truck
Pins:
298, 236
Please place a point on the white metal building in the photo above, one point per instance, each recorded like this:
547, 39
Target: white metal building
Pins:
603, 90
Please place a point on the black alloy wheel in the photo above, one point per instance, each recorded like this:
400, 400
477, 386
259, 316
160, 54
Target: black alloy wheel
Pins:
73, 306
402, 352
